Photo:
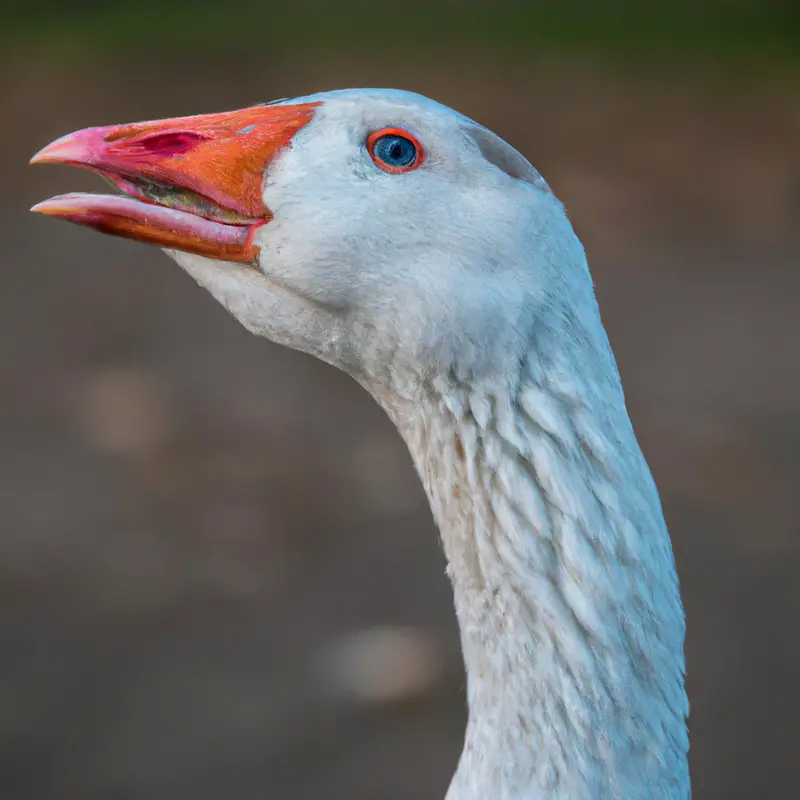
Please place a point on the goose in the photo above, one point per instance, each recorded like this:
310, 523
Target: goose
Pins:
413, 248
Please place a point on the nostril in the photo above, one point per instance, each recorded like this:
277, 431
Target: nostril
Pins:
170, 143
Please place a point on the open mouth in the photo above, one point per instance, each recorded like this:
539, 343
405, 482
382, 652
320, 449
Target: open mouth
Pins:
167, 215
192, 183
176, 197
170, 227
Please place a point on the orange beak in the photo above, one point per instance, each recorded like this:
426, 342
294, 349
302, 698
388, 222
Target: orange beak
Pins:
190, 183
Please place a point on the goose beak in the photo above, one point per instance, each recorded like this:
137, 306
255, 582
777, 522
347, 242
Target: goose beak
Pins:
189, 183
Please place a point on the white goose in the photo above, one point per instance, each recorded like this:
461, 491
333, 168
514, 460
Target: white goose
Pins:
414, 249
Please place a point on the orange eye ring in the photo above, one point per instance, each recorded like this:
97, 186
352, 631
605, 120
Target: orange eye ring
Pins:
376, 136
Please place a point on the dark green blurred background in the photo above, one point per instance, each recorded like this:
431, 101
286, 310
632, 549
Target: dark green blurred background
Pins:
218, 574
700, 27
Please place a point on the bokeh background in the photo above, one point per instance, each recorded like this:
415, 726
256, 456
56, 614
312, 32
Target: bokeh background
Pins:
218, 573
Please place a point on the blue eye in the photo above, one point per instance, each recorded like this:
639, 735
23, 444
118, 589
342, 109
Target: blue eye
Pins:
394, 151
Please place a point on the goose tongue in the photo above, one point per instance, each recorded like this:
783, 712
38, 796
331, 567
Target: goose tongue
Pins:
189, 183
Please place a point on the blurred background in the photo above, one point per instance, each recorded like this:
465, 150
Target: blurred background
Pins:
218, 574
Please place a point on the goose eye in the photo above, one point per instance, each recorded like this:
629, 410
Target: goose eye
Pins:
394, 150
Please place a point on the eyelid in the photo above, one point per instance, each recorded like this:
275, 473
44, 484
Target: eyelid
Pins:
375, 135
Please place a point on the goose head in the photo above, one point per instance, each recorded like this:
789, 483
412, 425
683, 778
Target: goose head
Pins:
413, 248
376, 229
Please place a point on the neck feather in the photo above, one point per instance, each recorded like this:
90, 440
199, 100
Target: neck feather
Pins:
564, 584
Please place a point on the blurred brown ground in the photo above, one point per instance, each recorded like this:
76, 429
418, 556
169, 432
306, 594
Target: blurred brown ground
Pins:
191, 519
